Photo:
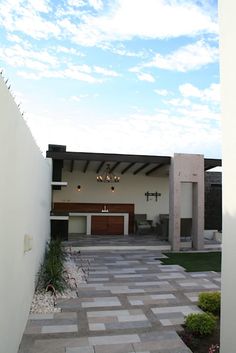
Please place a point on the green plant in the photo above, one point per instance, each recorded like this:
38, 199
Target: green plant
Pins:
51, 271
210, 302
201, 324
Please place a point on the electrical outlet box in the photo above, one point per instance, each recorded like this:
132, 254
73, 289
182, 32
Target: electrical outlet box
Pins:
28, 243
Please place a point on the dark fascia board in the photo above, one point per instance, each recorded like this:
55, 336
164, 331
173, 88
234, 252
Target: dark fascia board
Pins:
108, 157
212, 163
129, 158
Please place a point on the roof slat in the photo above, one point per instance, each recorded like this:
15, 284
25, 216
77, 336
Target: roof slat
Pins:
86, 166
141, 168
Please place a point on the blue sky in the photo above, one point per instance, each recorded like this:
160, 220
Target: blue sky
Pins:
122, 76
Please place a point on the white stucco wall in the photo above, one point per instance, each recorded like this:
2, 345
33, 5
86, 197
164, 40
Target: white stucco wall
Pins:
227, 11
24, 210
130, 189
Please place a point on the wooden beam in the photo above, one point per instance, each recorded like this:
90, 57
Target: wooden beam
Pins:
86, 166
155, 168
72, 162
140, 168
100, 166
114, 167
127, 168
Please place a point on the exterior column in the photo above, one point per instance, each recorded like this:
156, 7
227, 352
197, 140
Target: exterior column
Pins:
174, 209
186, 168
198, 215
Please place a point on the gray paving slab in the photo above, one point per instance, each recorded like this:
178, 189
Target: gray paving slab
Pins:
131, 304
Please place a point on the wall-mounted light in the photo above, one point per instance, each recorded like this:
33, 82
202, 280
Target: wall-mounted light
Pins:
78, 188
112, 189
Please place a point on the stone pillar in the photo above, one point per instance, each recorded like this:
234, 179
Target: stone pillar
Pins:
198, 216
186, 168
174, 208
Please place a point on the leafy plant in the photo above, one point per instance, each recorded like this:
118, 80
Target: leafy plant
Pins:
210, 302
51, 271
201, 324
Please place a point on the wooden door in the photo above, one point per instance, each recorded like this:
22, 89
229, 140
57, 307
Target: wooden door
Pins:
107, 225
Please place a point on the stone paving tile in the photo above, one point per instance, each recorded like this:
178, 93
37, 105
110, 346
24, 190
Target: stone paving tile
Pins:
152, 299
115, 348
129, 305
101, 302
113, 339
59, 328
56, 345
175, 315
170, 275
192, 296
87, 349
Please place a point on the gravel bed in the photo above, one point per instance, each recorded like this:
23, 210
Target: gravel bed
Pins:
45, 302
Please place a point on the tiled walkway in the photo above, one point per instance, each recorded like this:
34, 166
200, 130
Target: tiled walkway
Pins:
131, 304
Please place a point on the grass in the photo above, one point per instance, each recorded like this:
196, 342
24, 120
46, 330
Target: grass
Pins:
195, 262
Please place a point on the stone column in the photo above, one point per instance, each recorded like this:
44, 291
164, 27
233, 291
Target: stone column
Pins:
186, 168
174, 208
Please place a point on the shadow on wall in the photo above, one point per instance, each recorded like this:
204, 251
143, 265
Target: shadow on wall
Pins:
228, 302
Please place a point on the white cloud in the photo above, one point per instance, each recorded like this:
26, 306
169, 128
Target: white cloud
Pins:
28, 75
121, 50
105, 72
178, 102
174, 134
186, 58
75, 72
161, 92
14, 38
142, 76
185, 107
211, 94
149, 19
39, 5
122, 20
18, 56
79, 97
26, 17
96, 4
124, 52
76, 3
66, 50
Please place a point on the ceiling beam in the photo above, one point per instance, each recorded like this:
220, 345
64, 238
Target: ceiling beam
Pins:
128, 167
72, 162
140, 168
86, 166
100, 166
114, 167
155, 168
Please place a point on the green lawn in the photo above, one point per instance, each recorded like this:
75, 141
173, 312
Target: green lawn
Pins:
194, 262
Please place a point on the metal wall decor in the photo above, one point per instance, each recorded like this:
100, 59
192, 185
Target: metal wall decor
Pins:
150, 194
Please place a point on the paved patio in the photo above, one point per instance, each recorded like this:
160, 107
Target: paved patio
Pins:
130, 304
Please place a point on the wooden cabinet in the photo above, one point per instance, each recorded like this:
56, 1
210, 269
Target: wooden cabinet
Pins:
107, 225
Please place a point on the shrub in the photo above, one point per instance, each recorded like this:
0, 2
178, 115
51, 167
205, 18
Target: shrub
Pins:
51, 271
210, 302
201, 324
